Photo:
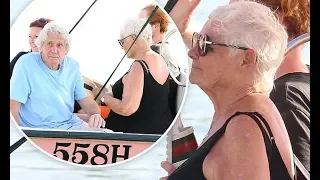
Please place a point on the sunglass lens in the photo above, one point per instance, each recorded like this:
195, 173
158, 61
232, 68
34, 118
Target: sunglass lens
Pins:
194, 39
202, 45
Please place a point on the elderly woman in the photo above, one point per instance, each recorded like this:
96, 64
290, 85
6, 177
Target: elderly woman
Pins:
159, 24
34, 29
140, 97
235, 57
45, 84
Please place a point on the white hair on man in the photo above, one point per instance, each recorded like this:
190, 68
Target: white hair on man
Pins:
53, 27
255, 26
134, 25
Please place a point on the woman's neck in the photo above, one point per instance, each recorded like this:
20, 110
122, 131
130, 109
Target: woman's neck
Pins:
223, 98
292, 63
141, 54
157, 38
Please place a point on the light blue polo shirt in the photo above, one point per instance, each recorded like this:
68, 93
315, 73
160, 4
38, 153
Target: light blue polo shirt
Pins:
46, 96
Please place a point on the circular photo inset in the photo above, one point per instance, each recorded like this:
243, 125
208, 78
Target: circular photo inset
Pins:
93, 82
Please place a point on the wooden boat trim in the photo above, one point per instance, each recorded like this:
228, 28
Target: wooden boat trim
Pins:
92, 135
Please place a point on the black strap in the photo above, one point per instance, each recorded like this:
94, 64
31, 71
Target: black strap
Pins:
90, 88
169, 6
268, 139
14, 61
145, 69
144, 65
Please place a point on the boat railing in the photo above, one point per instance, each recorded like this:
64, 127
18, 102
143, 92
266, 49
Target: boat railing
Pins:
82, 134
304, 38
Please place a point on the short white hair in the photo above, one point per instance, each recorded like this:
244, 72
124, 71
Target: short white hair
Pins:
55, 28
134, 26
255, 26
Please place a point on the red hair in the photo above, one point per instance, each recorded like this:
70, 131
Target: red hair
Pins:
296, 15
41, 22
159, 17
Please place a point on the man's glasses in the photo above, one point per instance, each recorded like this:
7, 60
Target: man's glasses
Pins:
121, 40
202, 41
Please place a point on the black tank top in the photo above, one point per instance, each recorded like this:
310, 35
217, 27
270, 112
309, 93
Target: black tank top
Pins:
191, 169
153, 115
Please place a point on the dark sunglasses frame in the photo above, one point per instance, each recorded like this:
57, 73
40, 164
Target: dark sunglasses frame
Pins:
202, 40
121, 40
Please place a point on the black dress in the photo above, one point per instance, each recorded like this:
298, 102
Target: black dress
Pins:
153, 115
191, 169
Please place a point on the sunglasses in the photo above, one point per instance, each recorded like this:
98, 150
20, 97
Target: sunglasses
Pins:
202, 41
121, 40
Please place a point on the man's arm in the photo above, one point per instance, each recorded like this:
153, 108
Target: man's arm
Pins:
93, 111
14, 110
19, 87
89, 106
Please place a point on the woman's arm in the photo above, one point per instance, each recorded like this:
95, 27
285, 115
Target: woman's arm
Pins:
239, 154
181, 15
132, 92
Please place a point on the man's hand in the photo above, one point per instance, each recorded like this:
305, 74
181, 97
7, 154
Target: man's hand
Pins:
168, 167
96, 121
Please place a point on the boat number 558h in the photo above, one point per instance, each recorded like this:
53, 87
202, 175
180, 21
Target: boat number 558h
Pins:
84, 155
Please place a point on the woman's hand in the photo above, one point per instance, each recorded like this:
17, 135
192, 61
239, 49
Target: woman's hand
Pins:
109, 93
109, 88
105, 96
168, 167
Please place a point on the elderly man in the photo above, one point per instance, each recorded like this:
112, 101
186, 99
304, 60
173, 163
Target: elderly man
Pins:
235, 58
45, 84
